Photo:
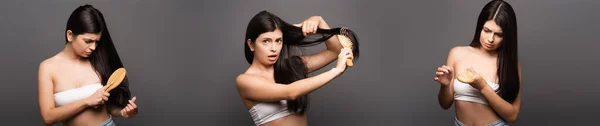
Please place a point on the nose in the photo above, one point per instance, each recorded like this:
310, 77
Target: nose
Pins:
273, 47
491, 38
92, 46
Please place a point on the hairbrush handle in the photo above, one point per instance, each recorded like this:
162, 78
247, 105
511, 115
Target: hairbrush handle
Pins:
349, 63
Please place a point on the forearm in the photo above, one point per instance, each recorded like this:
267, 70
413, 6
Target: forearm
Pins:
305, 86
445, 97
322, 23
333, 44
505, 109
58, 114
115, 112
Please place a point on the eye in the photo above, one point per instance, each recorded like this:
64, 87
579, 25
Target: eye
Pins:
89, 41
487, 30
500, 35
265, 41
279, 41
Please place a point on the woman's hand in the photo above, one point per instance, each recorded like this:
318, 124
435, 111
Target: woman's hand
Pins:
99, 97
443, 75
130, 110
310, 25
479, 82
345, 54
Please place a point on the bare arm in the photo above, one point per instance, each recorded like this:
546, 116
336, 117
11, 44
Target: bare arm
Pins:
445, 75
446, 96
115, 111
321, 59
262, 90
49, 112
129, 111
255, 88
508, 111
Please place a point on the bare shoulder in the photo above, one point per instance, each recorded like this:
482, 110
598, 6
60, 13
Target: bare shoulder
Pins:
46, 71
459, 51
48, 64
240, 78
245, 79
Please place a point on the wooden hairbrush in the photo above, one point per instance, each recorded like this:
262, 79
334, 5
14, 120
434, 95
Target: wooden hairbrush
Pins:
116, 78
345, 42
466, 76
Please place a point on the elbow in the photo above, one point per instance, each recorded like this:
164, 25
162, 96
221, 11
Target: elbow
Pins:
291, 93
445, 100
444, 106
512, 119
47, 120
292, 96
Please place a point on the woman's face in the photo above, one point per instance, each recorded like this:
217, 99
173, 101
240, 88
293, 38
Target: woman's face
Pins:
83, 44
267, 46
491, 36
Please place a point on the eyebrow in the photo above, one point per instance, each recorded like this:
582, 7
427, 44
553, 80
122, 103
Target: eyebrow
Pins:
278, 38
88, 39
491, 29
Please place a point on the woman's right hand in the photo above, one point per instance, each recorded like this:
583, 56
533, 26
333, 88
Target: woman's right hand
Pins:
99, 97
345, 54
444, 75
310, 25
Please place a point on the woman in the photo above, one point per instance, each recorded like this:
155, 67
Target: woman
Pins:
494, 97
275, 86
71, 84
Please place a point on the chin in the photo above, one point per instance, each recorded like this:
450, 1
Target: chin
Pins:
491, 49
267, 62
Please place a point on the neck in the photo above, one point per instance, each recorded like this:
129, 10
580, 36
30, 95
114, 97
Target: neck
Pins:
490, 53
70, 54
257, 66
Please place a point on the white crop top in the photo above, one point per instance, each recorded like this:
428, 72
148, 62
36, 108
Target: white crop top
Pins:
71, 95
465, 92
265, 112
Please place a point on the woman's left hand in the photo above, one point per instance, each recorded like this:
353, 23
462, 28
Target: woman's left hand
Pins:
310, 25
130, 110
479, 82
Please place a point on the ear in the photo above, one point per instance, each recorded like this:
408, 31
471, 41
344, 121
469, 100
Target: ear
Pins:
69, 35
249, 42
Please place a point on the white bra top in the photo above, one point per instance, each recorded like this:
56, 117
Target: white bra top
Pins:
466, 92
266, 112
71, 95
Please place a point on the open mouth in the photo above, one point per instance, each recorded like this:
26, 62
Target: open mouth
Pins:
273, 57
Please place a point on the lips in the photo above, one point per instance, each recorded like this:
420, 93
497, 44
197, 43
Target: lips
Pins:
488, 45
273, 57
